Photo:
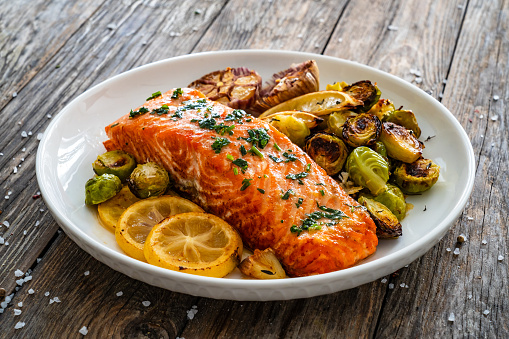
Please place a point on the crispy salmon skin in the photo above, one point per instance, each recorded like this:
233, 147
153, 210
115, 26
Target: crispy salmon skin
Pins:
245, 171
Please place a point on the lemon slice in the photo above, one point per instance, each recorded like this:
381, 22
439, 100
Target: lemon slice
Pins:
196, 243
138, 219
111, 210
309, 119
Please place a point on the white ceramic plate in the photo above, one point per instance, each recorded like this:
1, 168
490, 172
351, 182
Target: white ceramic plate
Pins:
74, 139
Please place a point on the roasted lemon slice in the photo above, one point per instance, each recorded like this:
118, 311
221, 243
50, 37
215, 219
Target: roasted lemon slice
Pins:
138, 219
111, 210
196, 243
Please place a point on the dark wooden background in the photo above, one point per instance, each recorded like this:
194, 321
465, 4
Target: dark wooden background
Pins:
53, 50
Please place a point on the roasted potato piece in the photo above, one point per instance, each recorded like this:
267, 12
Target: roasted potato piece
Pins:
416, 177
364, 91
233, 87
400, 143
297, 80
405, 118
262, 265
387, 225
148, 180
362, 130
328, 151
367, 168
117, 162
101, 188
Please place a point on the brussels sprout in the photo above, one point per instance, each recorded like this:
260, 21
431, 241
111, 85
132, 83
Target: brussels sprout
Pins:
118, 163
382, 108
362, 130
367, 168
337, 120
400, 143
293, 127
416, 177
364, 91
101, 188
328, 151
404, 118
148, 180
387, 225
393, 199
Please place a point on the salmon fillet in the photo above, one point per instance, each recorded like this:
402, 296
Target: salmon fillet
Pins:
245, 171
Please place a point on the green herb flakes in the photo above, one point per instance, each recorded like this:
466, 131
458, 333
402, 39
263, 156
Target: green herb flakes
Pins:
154, 95
219, 143
141, 111
176, 93
262, 191
286, 194
245, 184
258, 136
312, 220
299, 202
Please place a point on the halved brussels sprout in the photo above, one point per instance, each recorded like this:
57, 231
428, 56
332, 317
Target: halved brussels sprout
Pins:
404, 118
364, 91
362, 130
309, 119
117, 162
148, 180
328, 151
380, 148
382, 108
400, 143
367, 168
299, 79
416, 177
336, 121
393, 199
319, 103
294, 128
387, 225
101, 188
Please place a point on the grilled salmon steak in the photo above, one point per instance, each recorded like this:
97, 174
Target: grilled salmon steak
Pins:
245, 171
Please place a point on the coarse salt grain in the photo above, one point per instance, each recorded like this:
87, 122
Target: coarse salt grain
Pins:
392, 28
192, 312
24, 134
448, 249
484, 242
384, 280
391, 286
18, 273
46, 294
19, 324
20, 282
28, 278
25, 232
496, 97
15, 170
111, 26
486, 312
2, 240
39, 136
500, 257
402, 285
83, 330
31, 291
15, 94
470, 218
6, 224
119, 293
451, 317
48, 116
494, 118
86, 273
456, 251
17, 312
146, 303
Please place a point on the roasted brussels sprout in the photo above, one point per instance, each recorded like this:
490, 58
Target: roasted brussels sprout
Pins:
362, 130
319, 103
404, 118
101, 188
393, 199
400, 143
328, 151
262, 265
148, 180
387, 225
416, 177
382, 108
336, 121
299, 79
117, 162
364, 91
367, 168
294, 128
380, 148
233, 87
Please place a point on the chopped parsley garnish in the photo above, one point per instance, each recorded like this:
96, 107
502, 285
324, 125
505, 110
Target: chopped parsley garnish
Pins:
298, 177
114, 125
236, 116
154, 95
176, 93
210, 123
311, 222
308, 168
219, 143
277, 147
134, 114
245, 184
289, 157
243, 150
241, 163
322, 192
262, 191
275, 159
161, 110
258, 136
299, 202
235, 171
286, 194
353, 207
256, 151
320, 184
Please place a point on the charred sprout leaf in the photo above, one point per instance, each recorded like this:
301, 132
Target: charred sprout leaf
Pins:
382, 108
262, 265
362, 130
291, 126
299, 79
416, 177
380, 148
118, 163
336, 121
367, 168
364, 91
401, 144
148, 180
233, 87
328, 151
318, 103
101, 188
387, 225
406, 119
393, 199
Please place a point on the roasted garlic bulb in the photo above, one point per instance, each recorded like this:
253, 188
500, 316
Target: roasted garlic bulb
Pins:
262, 265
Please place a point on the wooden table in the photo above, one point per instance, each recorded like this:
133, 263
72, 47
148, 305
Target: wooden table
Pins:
52, 51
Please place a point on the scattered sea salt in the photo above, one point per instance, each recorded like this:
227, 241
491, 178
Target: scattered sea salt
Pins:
17, 312
25, 232
83, 330
112, 26
317, 45
456, 251
27, 278
391, 286
494, 118
448, 249
19, 325
39, 136
2, 240
19, 273
418, 80
29, 133
496, 97
20, 282
402, 285
86, 273
392, 28
120, 293
469, 297
500, 257
481, 116
192, 312
46, 294
299, 36
484, 242
24, 134
451, 317
146, 303
384, 280
31, 291
6, 224
470, 218
15, 170
48, 116
486, 312
15, 94
340, 40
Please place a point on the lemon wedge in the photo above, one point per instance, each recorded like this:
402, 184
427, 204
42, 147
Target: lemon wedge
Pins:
138, 219
195, 243
111, 210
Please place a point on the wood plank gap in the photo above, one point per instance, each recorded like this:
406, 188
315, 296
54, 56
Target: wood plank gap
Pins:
209, 25
334, 28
